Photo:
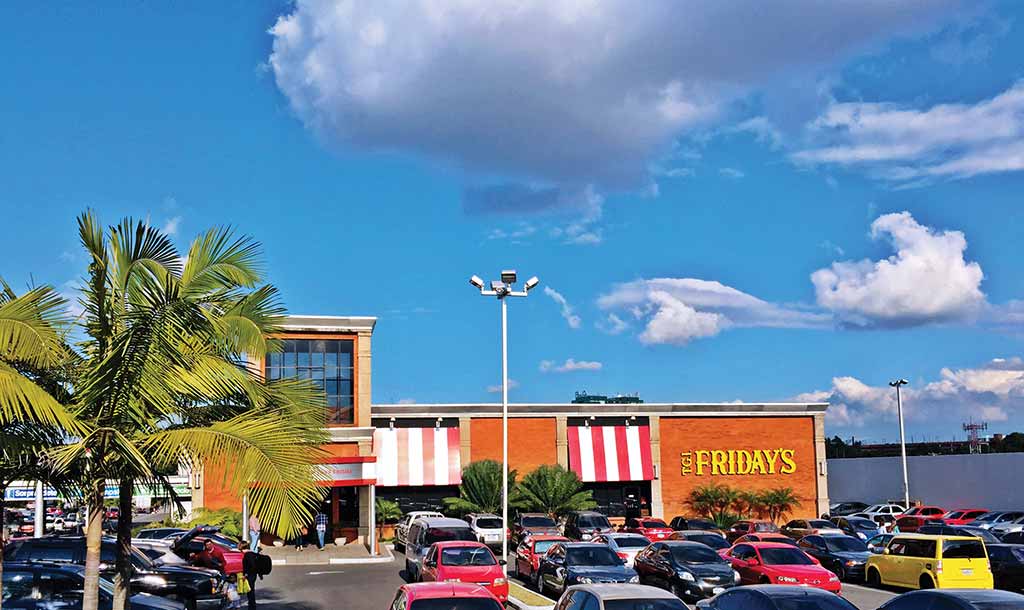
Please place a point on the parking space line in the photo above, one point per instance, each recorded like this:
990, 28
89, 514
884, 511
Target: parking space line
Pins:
869, 589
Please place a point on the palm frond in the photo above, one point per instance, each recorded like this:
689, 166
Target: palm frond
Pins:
21, 400
31, 325
217, 260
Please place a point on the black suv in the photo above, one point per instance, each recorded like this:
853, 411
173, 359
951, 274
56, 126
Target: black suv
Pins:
199, 589
42, 585
585, 524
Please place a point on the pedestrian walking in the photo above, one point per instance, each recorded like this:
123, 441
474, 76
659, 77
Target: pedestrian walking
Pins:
321, 527
254, 532
300, 540
254, 564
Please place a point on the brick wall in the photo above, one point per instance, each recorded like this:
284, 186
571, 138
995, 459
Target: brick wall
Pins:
531, 442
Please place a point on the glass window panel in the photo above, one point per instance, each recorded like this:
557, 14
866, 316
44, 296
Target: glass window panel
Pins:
290, 346
289, 358
303, 358
331, 387
303, 374
288, 372
345, 401
275, 358
317, 373
345, 415
346, 359
273, 373
345, 387
333, 401
317, 358
331, 359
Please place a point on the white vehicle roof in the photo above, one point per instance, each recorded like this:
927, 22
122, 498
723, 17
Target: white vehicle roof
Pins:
623, 591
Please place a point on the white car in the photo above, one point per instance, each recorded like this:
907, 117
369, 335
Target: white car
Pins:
1001, 529
626, 546
402, 527
882, 510
487, 528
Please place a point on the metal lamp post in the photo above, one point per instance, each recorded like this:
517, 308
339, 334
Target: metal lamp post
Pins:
502, 289
903, 443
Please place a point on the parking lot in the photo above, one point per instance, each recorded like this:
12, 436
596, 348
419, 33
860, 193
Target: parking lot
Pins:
371, 587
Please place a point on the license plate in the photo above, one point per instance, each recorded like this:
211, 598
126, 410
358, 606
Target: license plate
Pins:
967, 571
492, 537
661, 535
585, 536
717, 590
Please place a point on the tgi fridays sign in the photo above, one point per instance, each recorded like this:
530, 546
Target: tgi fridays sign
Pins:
718, 462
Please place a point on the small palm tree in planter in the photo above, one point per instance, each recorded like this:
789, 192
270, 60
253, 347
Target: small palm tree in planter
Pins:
778, 502
715, 501
388, 512
480, 491
552, 490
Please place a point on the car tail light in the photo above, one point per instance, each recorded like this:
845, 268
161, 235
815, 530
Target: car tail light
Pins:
499, 581
938, 567
622, 556
452, 580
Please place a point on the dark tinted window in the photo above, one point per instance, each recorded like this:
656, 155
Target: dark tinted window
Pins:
489, 523
538, 522
36, 552
715, 542
694, 554
817, 602
592, 556
327, 362
1000, 553
456, 603
781, 556
653, 523
629, 542
963, 549
643, 604
920, 548
441, 534
17, 585
593, 521
738, 599
844, 543
863, 524
819, 524
765, 526
467, 556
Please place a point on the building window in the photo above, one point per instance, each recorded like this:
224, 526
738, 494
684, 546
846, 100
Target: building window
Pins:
328, 362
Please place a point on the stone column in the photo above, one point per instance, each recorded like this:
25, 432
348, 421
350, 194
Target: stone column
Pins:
562, 441
465, 445
364, 368
820, 464
657, 506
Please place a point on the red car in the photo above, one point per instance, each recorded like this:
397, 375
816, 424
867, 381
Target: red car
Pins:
652, 529
192, 542
423, 596
742, 528
779, 564
530, 552
462, 561
779, 538
917, 516
962, 516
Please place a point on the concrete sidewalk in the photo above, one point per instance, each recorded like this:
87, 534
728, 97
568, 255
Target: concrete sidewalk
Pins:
331, 555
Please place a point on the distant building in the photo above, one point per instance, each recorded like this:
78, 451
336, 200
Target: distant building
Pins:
582, 398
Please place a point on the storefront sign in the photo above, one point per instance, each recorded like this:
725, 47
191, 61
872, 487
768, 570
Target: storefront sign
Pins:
716, 462
27, 493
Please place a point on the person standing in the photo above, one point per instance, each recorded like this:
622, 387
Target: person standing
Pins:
321, 527
254, 532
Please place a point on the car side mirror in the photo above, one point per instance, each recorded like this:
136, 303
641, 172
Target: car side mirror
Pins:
885, 551
502, 562
556, 560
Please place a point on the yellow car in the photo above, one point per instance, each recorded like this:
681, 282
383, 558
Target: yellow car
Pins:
918, 561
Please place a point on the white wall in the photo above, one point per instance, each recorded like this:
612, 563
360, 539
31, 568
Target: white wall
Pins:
992, 480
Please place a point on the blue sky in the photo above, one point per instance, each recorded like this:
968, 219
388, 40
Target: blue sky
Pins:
724, 202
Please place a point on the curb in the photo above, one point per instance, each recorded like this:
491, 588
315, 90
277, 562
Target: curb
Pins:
388, 558
518, 604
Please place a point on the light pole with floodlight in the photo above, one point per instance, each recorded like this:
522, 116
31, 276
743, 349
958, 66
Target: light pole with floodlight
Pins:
502, 289
903, 443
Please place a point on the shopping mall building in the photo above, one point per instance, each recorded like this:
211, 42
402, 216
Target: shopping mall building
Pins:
643, 458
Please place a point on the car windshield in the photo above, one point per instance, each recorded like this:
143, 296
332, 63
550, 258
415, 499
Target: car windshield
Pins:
456, 603
845, 544
955, 514
542, 546
818, 602
442, 534
695, 554
765, 526
977, 532
630, 542
987, 517
821, 524
863, 524
489, 523
591, 556
699, 524
593, 521
785, 557
538, 522
1008, 517
1019, 554
653, 523
643, 604
963, 549
715, 542
467, 556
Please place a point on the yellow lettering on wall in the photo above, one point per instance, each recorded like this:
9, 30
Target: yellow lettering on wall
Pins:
772, 457
742, 462
788, 463
703, 459
718, 459
732, 461
757, 463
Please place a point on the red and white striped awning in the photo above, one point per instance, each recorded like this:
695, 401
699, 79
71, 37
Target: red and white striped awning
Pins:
611, 453
417, 456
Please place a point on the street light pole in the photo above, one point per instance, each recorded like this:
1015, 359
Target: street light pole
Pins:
903, 441
503, 289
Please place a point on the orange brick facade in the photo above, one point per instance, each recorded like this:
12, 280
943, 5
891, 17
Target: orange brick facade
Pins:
681, 435
531, 442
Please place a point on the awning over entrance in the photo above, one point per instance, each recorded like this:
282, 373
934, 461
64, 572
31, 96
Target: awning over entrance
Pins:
611, 453
352, 471
417, 456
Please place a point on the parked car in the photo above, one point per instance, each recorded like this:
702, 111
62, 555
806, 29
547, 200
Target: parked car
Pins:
842, 555
625, 545
996, 517
159, 551
1007, 561
775, 597
441, 595
844, 509
962, 516
531, 524
585, 524
890, 511
193, 542
966, 599
618, 597
41, 585
948, 530
200, 589
1001, 529
652, 529
766, 538
858, 527
710, 539
924, 511
798, 528
402, 527
680, 524
782, 564
158, 533
530, 552
425, 532
742, 528
573, 563
488, 528
690, 570
461, 561
877, 544
1013, 538
113, 512
920, 561
910, 524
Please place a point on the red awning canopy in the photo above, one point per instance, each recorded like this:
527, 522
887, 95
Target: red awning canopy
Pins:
611, 453
417, 456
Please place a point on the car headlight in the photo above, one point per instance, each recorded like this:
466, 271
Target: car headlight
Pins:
584, 580
735, 576
152, 580
833, 578
788, 579
686, 576
634, 578
499, 581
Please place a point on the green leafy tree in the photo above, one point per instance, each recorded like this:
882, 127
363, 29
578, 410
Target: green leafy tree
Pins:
552, 490
778, 502
480, 491
715, 502
387, 511
748, 504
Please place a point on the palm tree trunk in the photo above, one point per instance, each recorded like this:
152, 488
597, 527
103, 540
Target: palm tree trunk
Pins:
93, 542
3, 537
123, 570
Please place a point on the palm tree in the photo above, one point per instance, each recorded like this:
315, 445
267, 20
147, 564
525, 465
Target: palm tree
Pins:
480, 491
778, 502
387, 511
714, 501
166, 379
552, 490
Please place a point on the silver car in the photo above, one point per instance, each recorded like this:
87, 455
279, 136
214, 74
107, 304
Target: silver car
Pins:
619, 595
1005, 527
626, 546
402, 527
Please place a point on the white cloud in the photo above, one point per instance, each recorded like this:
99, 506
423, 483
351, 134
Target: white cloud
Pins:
566, 94
496, 389
678, 310
832, 248
570, 365
613, 324
990, 392
927, 280
567, 310
913, 146
730, 172
171, 226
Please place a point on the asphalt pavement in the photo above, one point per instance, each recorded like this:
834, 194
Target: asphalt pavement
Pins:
372, 587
